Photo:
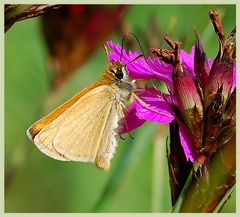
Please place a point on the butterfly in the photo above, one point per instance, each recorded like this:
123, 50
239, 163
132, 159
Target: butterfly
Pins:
85, 128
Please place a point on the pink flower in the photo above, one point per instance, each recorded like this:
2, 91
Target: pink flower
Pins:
184, 101
158, 109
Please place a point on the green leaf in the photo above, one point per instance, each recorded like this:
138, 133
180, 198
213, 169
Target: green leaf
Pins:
176, 208
161, 195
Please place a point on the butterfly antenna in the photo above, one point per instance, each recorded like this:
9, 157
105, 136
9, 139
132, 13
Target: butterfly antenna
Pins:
130, 33
124, 36
139, 44
139, 56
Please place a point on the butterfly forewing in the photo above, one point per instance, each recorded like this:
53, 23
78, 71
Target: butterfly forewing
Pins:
85, 127
84, 131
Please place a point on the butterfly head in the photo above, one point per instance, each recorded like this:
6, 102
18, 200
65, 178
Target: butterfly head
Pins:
118, 70
120, 75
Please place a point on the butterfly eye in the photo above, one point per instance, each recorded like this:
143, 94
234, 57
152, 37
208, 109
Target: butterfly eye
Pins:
119, 74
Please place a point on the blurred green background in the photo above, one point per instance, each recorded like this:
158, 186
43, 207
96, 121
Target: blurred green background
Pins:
138, 178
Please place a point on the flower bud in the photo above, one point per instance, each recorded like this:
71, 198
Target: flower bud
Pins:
189, 101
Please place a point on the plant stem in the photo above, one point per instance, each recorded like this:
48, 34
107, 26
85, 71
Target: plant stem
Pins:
207, 191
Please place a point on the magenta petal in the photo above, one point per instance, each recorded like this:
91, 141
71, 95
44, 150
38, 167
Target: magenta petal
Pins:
187, 143
138, 69
162, 71
210, 62
188, 61
234, 78
132, 121
157, 109
162, 117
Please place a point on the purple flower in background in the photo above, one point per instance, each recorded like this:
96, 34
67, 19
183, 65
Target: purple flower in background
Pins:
201, 94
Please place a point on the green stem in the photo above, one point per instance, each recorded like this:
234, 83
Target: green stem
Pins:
206, 192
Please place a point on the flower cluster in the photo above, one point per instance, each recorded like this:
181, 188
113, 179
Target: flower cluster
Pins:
201, 94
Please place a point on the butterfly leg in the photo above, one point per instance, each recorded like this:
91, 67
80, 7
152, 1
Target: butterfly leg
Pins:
123, 117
